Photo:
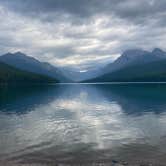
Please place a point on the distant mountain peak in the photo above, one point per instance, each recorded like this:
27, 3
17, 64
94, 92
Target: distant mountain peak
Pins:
15, 53
131, 55
19, 53
134, 52
30, 64
159, 53
157, 50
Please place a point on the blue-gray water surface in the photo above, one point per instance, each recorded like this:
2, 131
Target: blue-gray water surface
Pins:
82, 123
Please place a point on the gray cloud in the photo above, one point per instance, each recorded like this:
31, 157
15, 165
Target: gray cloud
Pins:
80, 32
129, 9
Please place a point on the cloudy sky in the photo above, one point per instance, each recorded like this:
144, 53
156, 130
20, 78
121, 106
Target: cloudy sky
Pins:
81, 33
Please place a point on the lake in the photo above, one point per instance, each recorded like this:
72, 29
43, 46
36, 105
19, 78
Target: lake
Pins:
81, 123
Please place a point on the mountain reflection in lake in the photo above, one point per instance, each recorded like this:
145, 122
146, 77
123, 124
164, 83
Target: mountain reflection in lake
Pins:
82, 123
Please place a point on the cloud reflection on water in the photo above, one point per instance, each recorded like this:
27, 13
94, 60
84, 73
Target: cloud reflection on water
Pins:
81, 119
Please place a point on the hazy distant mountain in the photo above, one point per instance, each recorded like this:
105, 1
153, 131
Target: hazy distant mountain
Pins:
136, 65
12, 75
30, 64
78, 76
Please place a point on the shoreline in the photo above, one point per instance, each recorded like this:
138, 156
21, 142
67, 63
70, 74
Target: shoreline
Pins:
84, 163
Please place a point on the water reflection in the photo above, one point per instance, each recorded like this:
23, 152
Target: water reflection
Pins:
82, 122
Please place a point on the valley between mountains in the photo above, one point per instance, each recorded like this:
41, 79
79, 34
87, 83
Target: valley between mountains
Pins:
134, 65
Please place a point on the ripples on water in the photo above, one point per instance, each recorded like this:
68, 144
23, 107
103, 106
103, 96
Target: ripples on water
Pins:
72, 123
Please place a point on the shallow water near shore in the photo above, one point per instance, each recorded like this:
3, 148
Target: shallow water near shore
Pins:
81, 123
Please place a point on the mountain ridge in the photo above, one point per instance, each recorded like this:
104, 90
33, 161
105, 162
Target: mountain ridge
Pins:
30, 64
135, 56
133, 63
11, 75
132, 59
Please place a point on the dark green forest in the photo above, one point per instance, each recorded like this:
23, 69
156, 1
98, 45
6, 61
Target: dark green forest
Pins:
11, 75
150, 72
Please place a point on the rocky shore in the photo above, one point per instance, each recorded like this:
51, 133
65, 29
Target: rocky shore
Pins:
102, 163
113, 163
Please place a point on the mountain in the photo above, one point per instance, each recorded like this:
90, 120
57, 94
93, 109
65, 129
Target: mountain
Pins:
135, 65
151, 72
135, 56
12, 75
30, 64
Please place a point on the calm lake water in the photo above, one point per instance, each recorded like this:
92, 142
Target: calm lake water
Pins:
83, 123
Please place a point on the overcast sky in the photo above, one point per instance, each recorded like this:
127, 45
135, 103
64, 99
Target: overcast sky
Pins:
81, 32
